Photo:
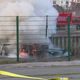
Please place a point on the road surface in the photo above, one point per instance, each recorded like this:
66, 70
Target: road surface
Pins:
73, 72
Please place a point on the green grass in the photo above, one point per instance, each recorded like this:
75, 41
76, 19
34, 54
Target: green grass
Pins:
10, 61
4, 60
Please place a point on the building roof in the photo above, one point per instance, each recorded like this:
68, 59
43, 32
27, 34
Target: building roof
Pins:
59, 8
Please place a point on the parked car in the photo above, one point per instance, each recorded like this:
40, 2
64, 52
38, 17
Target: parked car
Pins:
58, 52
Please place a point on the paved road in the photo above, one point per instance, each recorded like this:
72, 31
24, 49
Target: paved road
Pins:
73, 72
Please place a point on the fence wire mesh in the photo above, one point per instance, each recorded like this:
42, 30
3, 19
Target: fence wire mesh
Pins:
36, 34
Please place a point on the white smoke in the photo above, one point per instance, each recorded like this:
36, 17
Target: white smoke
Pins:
27, 8
17, 9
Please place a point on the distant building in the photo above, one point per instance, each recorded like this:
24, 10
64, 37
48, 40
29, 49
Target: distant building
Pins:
75, 7
60, 39
64, 3
76, 1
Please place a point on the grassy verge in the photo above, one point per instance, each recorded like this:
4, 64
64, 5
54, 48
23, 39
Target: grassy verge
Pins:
10, 61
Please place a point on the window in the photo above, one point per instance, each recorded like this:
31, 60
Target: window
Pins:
78, 0
67, 2
54, 2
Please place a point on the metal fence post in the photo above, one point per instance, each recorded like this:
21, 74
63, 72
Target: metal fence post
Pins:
69, 41
17, 37
46, 25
